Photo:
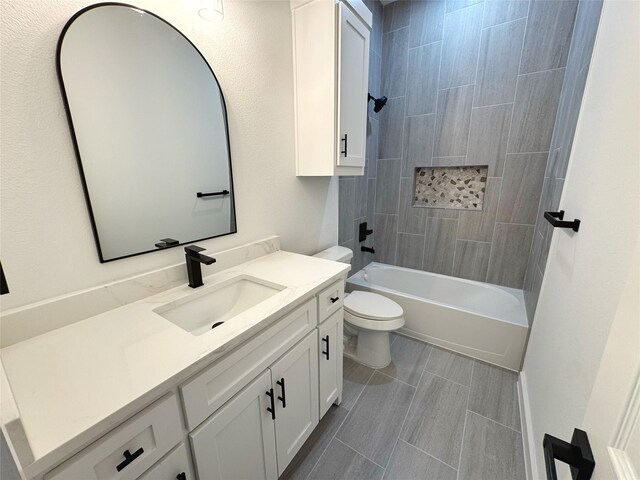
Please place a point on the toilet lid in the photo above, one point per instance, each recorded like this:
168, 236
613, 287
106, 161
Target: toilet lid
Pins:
371, 305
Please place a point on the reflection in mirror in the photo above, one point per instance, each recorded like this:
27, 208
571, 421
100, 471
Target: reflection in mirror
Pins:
149, 124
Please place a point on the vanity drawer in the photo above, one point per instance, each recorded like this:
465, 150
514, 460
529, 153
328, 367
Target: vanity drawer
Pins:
171, 467
330, 300
210, 389
152, 433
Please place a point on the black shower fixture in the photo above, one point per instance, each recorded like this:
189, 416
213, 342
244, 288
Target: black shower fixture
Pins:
378, 103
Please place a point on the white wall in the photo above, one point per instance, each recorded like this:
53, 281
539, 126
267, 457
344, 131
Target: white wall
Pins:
587, 272
46, 243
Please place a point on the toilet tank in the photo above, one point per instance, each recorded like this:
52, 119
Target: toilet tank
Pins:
336, 254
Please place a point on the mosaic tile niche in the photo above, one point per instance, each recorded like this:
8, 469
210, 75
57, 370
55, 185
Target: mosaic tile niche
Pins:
455, 188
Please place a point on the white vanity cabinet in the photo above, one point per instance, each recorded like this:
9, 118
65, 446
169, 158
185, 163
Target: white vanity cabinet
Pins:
331, 70
330, 361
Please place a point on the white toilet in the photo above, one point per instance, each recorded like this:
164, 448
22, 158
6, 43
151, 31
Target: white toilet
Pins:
368, 319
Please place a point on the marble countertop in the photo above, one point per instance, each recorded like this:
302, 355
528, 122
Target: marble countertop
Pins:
73, 384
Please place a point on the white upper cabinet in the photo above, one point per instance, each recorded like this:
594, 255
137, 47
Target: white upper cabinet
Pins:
331, 71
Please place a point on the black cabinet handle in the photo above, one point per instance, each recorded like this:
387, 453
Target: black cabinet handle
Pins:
555, 219
283, 398
334, 299
212, 194
181, 476
344, 152
128, 458
271, 409
576, 454
326, 340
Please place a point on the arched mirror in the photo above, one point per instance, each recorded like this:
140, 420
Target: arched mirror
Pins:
149, 125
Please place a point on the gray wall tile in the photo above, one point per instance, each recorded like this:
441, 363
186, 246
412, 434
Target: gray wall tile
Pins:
452, 121
375, 80
488, 137
388, 186
346, 208
371, 156
371, 199
440, 243
375, 6
412, 219
471, 260
360, 209
427, 18
435, 421
396, 15
422, 80
418, 143
548, 37
453, 5
375, 421
390, 135
501, 11
534, 112
500, 50
409, 462
479, 226
521, 187
508, 261
384, 238
490, 451
409, 253
460, 47
584, 35
340, 461
395, 48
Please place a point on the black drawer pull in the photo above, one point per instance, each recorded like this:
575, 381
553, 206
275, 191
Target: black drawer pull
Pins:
334, 299
271, 409
555, 219
326, 340
344, 152
283, 398
128, 458
212, 194
181, 476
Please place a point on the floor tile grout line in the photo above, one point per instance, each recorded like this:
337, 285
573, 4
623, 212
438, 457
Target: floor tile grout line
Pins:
494, 421
464, 428
359, 453
394, 378
341, 424
445, 378
430, 455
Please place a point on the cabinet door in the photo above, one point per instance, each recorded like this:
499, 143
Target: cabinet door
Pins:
175, 465
330, 360
295, 383
353, 76
238, 441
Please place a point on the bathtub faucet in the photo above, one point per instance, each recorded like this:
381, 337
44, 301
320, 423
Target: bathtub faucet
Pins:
367, 249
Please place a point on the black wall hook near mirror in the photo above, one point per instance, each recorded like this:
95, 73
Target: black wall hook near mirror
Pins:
555, 219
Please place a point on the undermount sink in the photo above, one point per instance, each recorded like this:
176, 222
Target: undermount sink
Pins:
200, 312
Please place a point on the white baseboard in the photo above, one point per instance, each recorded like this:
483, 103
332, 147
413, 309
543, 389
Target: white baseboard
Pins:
528, 442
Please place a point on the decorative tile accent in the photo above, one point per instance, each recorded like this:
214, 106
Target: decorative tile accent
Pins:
459, 188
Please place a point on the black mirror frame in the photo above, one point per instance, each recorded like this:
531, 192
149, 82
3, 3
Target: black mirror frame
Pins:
76, 149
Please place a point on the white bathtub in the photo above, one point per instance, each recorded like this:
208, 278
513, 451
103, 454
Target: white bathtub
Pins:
484, 321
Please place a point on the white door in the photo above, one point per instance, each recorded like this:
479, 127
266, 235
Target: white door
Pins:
238, 441
330, 360
295, 385
582, 361
353, 84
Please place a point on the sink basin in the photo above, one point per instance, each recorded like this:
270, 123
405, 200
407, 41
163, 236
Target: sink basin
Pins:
200, 312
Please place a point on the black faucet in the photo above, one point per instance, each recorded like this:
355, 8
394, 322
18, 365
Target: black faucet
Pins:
194, 259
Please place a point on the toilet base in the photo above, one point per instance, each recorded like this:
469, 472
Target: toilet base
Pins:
372, 349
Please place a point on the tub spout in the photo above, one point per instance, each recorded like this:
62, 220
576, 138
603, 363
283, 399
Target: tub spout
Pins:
367, 249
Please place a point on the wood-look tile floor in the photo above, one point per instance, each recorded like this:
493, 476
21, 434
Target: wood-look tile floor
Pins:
431, 414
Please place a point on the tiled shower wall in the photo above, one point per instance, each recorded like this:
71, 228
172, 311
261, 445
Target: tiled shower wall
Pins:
356, 194
585, 29
469, 83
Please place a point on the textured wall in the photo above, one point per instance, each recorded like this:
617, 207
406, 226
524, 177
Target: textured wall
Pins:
469, 83
584, 35
47, 247
355, 192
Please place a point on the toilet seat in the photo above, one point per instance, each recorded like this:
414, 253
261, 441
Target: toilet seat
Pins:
372, 311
